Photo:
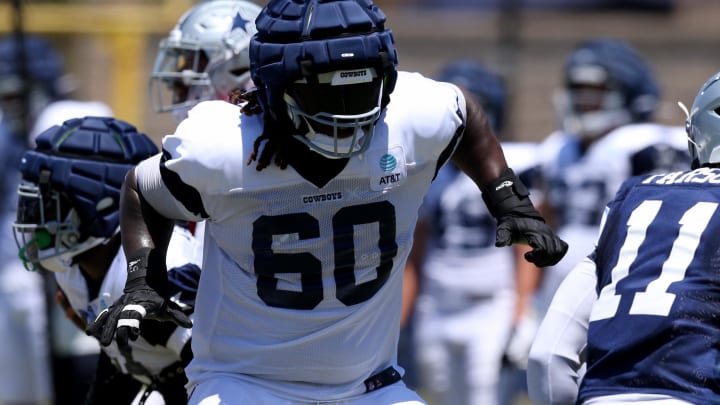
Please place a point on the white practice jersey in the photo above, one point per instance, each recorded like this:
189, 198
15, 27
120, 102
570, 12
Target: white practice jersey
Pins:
461, 255
579, 185
152, 352
302, 285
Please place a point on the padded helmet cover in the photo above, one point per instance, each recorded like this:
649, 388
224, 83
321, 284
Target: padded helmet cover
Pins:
86, 160
298, 39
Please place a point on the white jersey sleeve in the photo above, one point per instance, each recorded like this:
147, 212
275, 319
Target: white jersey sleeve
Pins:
555, 363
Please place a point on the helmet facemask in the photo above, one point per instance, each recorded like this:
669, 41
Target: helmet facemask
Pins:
204, 57
338, 112
179, 80
47, 231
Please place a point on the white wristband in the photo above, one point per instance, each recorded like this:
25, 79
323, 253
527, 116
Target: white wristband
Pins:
133, 323
137, 308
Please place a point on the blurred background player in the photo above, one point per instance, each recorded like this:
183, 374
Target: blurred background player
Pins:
641, 310
606, 134
204, 57
74, 354
472, 294
31, 77
32, 101
67, 223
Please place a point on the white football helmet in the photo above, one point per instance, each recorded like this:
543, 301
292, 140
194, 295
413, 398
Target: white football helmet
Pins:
204, 57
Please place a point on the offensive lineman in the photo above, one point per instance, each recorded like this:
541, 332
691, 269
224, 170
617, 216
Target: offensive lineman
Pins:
310, 192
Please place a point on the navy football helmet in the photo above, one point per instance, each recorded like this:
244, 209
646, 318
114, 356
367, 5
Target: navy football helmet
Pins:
68, 200
327, 66
606, 84
484, 84
204, 57
703, 124
35, 70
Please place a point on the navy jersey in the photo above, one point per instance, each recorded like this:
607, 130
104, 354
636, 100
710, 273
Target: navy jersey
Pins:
655, 327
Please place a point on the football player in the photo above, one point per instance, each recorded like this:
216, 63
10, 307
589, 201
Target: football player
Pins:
310, 192
459, 357
74, 354
605, 109
641, 311
31, 72
204, 56
68, 223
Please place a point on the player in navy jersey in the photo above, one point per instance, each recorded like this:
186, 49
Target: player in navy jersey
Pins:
459, 356
67, 223
310, 192
641, 311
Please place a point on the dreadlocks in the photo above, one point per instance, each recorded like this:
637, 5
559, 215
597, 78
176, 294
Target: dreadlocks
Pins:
273, 132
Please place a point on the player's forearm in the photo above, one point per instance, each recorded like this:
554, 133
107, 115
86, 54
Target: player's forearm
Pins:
143, 228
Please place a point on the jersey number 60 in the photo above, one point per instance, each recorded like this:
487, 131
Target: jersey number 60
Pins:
268, 263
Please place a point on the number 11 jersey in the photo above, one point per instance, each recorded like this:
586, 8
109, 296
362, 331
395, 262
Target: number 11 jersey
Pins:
655, 327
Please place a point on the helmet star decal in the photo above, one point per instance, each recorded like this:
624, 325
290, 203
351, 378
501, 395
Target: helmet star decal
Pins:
240, 22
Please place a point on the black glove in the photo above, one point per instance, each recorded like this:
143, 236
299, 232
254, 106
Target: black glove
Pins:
138, 302
518, 221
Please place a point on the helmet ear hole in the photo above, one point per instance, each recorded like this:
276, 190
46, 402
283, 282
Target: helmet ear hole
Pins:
70, 239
